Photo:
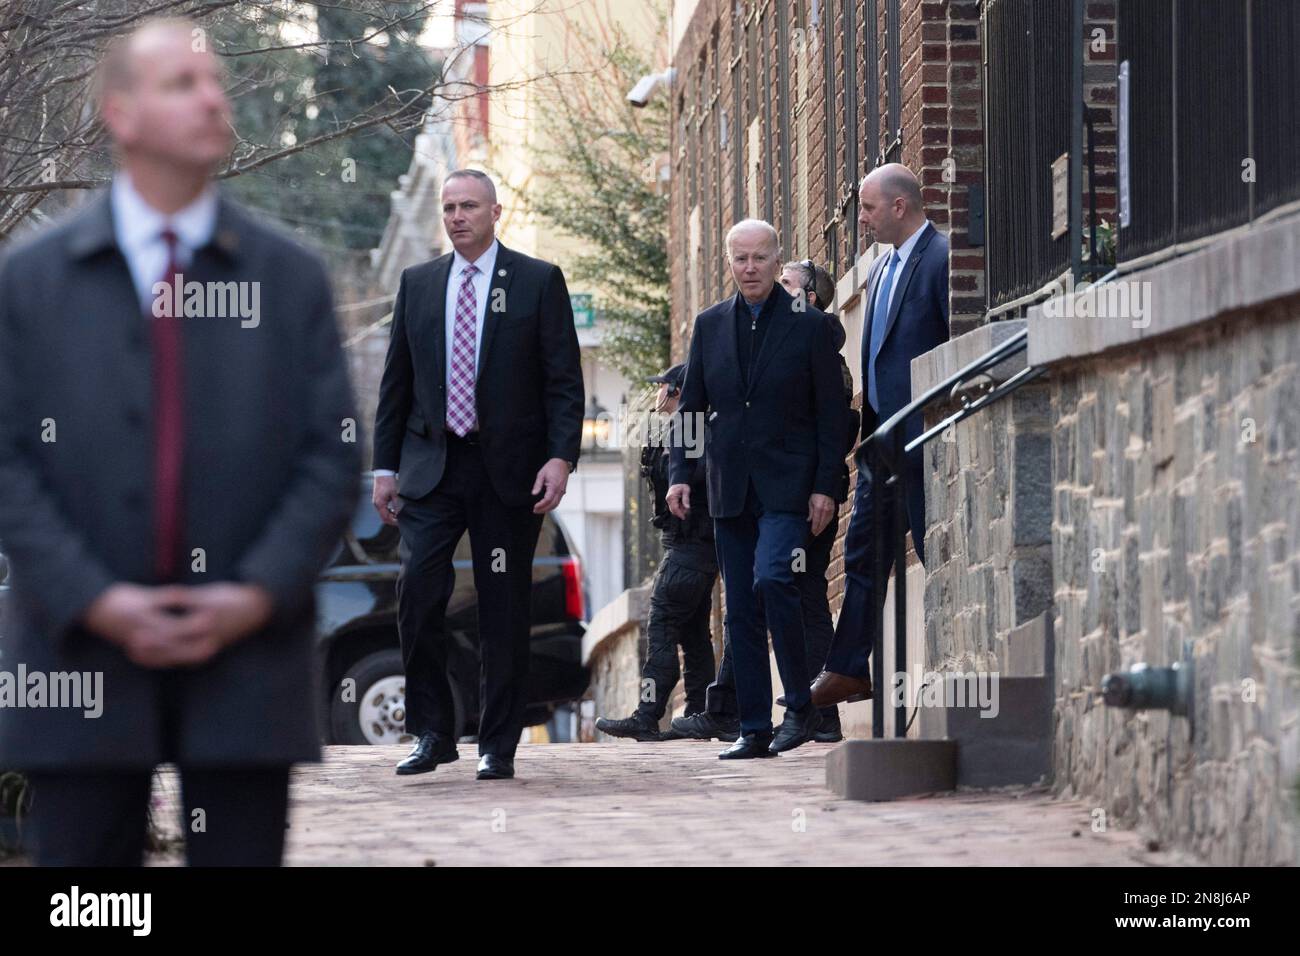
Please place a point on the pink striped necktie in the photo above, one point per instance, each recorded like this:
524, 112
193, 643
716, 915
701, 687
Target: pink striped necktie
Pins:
461, 417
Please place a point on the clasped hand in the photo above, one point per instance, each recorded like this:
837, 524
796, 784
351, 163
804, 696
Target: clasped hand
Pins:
177, 625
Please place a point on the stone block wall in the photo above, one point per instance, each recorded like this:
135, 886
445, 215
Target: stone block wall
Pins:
988, 511
1176, 538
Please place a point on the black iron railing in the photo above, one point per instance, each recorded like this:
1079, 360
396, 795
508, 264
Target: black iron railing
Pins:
1213, 131
1027, 87
887, 450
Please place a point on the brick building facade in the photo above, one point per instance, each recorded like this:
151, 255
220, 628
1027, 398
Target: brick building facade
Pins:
1103, 516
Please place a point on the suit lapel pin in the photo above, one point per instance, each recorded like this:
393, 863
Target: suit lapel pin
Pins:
501, 273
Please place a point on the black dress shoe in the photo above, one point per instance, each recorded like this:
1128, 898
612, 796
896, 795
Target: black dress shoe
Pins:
429, 751
749, 746
830, 732
492, 767
797, 728
706, 726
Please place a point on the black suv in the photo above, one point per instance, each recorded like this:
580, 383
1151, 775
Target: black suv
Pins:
356, 615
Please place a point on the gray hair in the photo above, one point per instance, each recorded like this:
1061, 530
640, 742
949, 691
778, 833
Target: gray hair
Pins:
745, 224
817, 277
478, 176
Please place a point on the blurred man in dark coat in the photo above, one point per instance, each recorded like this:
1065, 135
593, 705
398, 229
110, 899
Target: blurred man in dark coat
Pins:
171, 482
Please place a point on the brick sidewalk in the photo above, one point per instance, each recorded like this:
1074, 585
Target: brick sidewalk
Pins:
665, 804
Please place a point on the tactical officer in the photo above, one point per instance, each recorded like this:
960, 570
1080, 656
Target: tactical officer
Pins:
682, 595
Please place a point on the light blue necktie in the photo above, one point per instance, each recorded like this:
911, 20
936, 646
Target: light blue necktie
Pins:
878, 320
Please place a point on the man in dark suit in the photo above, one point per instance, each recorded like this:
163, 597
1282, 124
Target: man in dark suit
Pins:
718, 717
907, 315
766, 382
170, 485
478, 427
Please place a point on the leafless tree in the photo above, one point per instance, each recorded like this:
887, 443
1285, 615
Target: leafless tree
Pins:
50, 140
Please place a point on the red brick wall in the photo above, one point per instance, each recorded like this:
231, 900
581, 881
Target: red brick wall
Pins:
965, 167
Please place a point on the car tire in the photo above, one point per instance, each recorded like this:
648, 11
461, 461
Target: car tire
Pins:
376, 712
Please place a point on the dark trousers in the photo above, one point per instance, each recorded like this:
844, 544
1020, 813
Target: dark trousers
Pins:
850, 652
818, 630
502, 541
680, 603
100, 819
756, 550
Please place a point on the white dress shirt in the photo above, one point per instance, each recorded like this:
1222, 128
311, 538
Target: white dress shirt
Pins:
138, 229
482, 283
904, 251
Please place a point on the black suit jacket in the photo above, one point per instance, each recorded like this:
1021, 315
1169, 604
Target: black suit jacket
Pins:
271, 475
784, 430
529, 393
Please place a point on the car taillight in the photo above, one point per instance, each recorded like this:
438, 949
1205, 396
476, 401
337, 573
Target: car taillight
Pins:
573, 589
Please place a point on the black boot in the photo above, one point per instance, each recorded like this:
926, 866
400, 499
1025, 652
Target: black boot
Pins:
830, 732
638, 727
707, 726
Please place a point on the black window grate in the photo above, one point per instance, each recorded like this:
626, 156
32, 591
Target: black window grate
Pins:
1212, 86
1027, 83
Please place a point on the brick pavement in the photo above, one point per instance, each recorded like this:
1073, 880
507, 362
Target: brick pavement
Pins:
664, 804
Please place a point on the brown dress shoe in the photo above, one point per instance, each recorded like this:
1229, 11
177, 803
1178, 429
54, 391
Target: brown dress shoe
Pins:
829, 689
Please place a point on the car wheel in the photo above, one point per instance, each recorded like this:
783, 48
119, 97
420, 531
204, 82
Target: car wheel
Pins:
375, 710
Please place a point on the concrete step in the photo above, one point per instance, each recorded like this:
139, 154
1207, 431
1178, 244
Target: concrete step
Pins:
1005, 740
889, 768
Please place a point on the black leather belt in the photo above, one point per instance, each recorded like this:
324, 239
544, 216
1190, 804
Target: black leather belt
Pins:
469, 439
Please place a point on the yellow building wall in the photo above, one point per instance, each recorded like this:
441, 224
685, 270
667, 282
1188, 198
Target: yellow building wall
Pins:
531, 38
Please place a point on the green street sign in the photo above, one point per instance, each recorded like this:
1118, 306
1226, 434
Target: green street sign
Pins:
584, 313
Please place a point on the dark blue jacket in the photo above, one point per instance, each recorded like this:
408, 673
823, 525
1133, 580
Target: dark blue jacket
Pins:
917, 322
785, 429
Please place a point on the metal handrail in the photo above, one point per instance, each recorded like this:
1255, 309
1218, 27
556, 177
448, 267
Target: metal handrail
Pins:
883, 436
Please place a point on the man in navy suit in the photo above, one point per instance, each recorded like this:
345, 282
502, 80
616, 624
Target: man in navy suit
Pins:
766, 381
907, 315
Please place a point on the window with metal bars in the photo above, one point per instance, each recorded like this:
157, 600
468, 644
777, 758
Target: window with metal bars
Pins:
717, 264
784, 123
832, 178
736, 122
852, 132
1210, 87
893, 83
1027, 89
770, 123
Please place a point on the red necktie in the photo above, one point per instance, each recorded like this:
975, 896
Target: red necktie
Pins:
169, 425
